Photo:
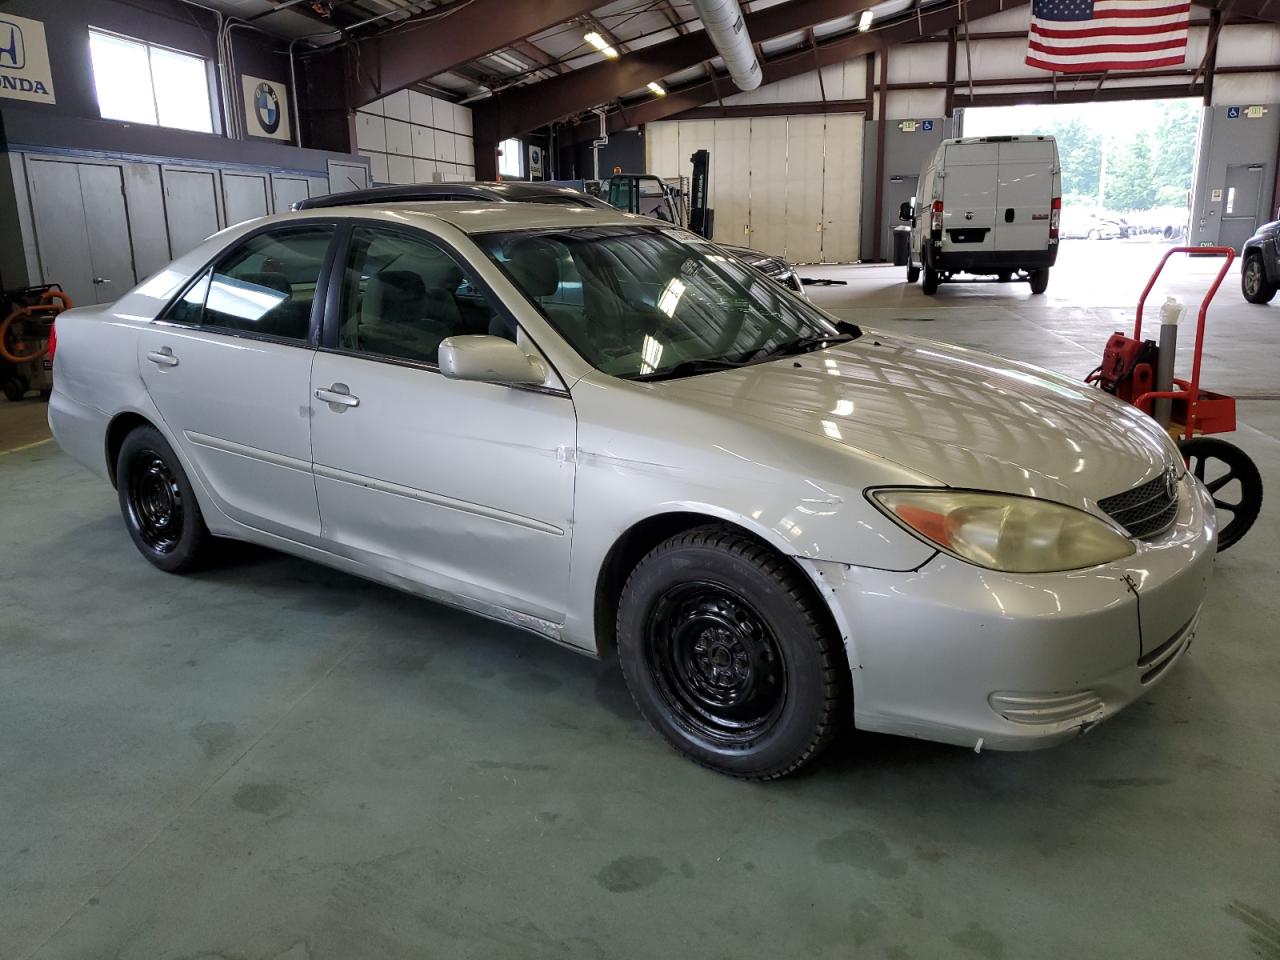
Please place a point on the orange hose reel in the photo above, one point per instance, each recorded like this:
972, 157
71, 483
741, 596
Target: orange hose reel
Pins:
51, 303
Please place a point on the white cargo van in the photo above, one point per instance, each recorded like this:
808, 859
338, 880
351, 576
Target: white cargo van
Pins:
986, 206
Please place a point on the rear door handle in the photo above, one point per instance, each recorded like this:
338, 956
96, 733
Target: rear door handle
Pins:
338, 393
163, 357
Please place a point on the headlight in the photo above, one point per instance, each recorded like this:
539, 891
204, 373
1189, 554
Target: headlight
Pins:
1004, 532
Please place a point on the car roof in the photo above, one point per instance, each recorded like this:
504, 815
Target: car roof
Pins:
507, 190
487, 217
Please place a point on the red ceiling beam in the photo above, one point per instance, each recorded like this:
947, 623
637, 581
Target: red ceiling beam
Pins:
525, 108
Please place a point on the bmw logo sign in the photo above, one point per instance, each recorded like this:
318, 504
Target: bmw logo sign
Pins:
267, 105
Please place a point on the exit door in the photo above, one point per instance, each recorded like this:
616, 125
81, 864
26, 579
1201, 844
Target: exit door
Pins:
1241, 202
82, 228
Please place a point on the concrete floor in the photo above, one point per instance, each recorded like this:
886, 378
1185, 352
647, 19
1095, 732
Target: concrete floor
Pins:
269, 760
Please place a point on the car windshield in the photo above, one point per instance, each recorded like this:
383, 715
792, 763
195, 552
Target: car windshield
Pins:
643, 303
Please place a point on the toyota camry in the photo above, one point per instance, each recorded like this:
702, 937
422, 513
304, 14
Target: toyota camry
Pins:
608, 432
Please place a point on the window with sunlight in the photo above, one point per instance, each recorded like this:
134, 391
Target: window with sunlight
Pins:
510, 152
141, 83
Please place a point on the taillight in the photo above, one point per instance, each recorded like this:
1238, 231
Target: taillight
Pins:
53, 343
1055, 214
935, 220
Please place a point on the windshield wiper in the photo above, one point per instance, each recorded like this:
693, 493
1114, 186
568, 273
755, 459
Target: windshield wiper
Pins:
805, 345
688, 368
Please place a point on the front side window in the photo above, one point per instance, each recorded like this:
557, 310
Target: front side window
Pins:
648, 303
266, 285
403, 295
143, 83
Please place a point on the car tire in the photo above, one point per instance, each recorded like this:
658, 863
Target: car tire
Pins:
728, 654
1253, 280
931, 281
13, 390
1039, 281
158, 504
1198, 453
1093, 235
913, 273
1004, 276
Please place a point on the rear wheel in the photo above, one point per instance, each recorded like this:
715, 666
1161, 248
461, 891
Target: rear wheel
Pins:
1004, 276
1039, 281
1253, 280
931, 280
727, 653
158, 503
1233, 481
913, 273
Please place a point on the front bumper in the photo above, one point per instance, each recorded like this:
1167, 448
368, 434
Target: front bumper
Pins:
956, 653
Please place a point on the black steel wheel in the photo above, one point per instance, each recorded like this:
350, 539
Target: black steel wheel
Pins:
1039, 280
1233, 481
1253, 280
716, 663
157, 502
729, 654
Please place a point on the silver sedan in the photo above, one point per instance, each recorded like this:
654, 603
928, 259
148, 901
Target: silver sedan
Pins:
609, 433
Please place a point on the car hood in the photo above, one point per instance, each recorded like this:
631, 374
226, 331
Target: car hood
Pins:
960, 417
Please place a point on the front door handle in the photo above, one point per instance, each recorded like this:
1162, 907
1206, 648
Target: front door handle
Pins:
163, 357
339, 394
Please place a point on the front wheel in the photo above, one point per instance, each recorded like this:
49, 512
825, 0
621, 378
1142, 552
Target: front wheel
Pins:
1253, 281
913, 273
1233, 481
728, 654
158, 504
1039, 281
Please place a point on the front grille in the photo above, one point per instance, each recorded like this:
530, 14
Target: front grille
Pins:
1144, 511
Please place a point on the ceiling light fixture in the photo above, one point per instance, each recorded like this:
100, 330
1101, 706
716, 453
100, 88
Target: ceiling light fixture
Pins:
864, 21
600, 44
657, 89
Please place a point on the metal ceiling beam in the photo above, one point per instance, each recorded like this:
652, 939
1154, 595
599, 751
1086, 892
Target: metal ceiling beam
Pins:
793, 64
421, 47
526, 108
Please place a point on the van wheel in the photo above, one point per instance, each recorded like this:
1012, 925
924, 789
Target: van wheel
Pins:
1039, 280
913, 273
728, 654
1004, 276
1253, 280
931, 281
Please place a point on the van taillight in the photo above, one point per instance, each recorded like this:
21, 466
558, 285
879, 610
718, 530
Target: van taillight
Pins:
53, 344
1055, 214
935, 220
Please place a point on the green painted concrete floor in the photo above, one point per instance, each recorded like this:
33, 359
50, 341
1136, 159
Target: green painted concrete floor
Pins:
270, 760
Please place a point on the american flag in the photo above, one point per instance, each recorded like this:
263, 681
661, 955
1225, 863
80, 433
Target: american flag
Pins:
1089, 36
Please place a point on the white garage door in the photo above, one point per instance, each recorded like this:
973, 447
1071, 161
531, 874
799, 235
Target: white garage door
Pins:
784, 185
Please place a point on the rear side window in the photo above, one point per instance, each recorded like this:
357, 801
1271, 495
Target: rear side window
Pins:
266, 285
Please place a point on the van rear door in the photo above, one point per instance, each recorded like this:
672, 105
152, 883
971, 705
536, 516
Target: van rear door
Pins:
969, 197
1025, 194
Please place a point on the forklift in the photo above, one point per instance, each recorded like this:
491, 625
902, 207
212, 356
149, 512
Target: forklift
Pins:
651, 196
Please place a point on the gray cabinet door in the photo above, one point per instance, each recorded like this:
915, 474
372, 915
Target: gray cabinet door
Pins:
191, 207
107, 227
245, 196
82, 228
61, 239
286, 191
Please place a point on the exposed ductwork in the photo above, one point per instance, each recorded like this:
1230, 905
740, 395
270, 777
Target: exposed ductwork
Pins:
723, 22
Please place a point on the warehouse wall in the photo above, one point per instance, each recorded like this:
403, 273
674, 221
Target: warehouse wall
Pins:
162, 190
1237, 151
411, 137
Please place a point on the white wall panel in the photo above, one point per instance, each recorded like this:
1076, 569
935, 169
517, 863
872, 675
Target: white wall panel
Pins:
377, 166
662, 149
399, 139
400, 169
910, 104
919, 63
420, 109
768, 158
730, 193
842, 188
371, 132
805, 148
397, 105
1250, 45
1235, 89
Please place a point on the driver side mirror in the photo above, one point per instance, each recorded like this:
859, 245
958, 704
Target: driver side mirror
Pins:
906, 211
488, 359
